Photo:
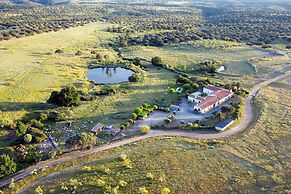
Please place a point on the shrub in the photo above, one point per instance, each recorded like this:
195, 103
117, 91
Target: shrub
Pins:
143, 190
68, 96
59, 51
38, 135
81, 140
183, 80
43, 116
21, 129
135, 77
195, 87
203, 94
134, 116
106, 170
122, 183
138, 110
172, 90
157, 61
35, 123
165, 190
38, 190
33, 155
131, 120
186, 86
145, 129
78, 53
7, 165
27, 138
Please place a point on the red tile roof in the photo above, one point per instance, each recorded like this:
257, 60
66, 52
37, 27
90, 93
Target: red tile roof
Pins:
218, 94
214, 88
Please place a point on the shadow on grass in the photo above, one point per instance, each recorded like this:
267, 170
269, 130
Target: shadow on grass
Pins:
27, 106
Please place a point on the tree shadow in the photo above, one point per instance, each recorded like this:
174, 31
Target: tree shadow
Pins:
26, 106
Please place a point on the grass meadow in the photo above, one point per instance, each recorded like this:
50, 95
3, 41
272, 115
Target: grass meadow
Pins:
30, 69
187, 56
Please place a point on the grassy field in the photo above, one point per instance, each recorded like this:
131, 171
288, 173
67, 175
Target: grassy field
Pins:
187, 56
255, 162
30, 69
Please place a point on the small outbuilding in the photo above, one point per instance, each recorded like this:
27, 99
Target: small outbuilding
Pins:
98, 128
174, 108
224, 124
115, 131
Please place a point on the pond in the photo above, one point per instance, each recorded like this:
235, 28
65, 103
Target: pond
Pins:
109, 75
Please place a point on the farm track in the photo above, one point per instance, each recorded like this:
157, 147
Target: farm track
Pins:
245, 122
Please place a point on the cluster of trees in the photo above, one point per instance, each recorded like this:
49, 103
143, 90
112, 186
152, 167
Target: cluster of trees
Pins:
224, 113
68, 96
30, 132
192, 84
141, 18
252, 25
82, 140
210, 66
28, 19
162, 38
140, 112
237, 88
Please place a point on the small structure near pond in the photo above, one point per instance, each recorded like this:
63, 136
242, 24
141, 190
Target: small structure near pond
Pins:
97, 128
224, 124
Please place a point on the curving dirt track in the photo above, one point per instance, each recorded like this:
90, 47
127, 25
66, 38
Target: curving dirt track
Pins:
245, 122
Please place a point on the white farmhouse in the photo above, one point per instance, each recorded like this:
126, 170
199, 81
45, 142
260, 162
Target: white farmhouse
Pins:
212, 97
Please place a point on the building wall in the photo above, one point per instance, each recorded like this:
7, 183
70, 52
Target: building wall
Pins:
215, 105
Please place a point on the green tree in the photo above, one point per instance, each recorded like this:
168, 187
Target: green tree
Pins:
7, 165
68, 96
20, 129
38, 135
82, 140
195, 87
137, 61
33, 155
135, 77
157, 61
27, 138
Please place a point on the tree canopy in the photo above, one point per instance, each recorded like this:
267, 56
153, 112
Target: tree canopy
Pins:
68, 96
7, 165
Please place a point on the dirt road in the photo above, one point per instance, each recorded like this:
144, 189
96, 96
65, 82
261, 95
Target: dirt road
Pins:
247, 119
